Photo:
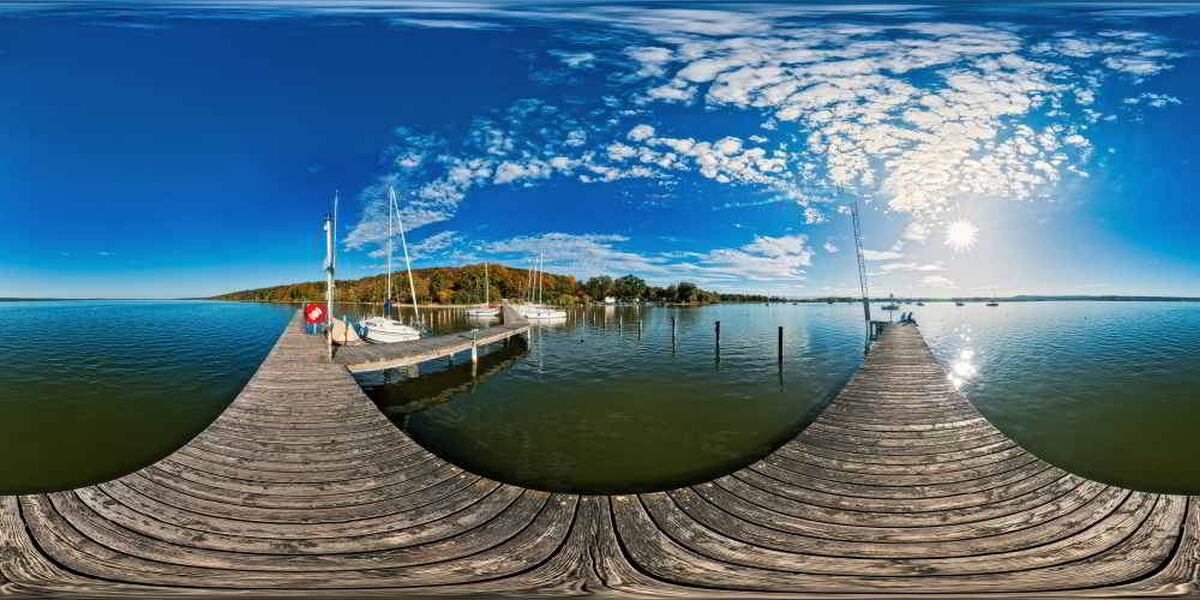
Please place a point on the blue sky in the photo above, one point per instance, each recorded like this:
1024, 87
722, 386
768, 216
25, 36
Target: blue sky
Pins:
188, 148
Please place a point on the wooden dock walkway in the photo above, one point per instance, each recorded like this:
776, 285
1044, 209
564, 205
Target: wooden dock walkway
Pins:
377, 357
899, 487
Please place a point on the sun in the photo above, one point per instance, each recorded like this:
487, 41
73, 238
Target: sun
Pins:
961, 235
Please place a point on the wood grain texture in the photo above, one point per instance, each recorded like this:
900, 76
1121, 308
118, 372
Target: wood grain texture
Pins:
301, 488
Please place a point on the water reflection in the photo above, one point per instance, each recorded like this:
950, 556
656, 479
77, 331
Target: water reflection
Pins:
963, 367
1107, 390
401, 392
619, 399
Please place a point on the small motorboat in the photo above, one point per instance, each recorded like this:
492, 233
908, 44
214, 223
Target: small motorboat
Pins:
543, 313
993, 303
483, 312
891, 307
920, 304
382, 330
959, 304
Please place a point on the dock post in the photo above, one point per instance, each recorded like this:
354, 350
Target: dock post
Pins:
639, 328
781, 344
474, 349
717, 331
673, 334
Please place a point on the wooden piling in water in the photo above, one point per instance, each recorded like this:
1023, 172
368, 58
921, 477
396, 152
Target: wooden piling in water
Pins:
781, 344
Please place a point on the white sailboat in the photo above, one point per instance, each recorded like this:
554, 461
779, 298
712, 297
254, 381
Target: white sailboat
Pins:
485, 310
537, 311
384, 329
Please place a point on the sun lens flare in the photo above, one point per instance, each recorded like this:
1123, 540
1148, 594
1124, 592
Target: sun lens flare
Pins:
961, 235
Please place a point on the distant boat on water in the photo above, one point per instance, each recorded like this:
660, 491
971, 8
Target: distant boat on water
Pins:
993, 303
384, 329
958, 303
485, 310
891, 305
535, 310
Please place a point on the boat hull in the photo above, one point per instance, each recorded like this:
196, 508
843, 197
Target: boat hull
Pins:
388, 331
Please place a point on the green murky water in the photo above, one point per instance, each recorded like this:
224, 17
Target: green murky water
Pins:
93, 390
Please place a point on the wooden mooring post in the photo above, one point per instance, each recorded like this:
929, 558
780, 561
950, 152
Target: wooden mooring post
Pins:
673, 334
781, 344
717, 337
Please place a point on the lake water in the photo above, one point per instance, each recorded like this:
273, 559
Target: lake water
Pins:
93, 390
1110, 390
592, 406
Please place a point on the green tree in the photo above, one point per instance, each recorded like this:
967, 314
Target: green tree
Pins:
629, 287
687, 292
599, 287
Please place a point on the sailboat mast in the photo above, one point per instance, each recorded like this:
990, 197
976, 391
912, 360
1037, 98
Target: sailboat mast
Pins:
862, 265
388, 296
541, 278
412, 287
330, 257
329, 284
529, 280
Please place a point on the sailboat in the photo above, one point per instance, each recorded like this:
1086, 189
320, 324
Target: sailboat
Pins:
485, 310
536, 310
891, 305
993, 301
384, 329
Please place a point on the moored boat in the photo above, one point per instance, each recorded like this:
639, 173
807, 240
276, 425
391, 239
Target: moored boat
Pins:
383, 329
485, 310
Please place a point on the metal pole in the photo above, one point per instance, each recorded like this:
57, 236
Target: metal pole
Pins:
781, 344
329, 284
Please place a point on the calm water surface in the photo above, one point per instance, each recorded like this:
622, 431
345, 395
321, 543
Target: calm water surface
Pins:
92, 390
591, 406
1107, 390
1110, 390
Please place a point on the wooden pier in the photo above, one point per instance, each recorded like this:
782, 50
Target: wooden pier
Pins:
301, 488
376, 357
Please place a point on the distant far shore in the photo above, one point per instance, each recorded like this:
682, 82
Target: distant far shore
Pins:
836, 299
774, 300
